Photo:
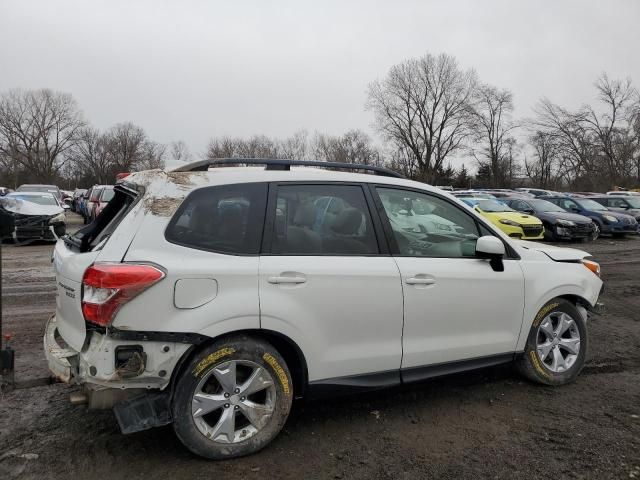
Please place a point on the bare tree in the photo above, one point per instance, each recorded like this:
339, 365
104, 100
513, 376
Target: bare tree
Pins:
493, 124
613, 130
296, 147
36, 128
544, 169
180, 152
423, 107
354, 146
91, 158
125, 143
598, 146
257, 146
151, 156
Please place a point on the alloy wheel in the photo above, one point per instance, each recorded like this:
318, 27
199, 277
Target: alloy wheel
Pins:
558, 342
233, 401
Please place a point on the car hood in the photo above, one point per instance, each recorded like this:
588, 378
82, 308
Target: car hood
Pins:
521, 218
23, 207
552, 216
618, 215
559, 254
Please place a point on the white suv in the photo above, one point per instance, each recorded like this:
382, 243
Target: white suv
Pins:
211, 297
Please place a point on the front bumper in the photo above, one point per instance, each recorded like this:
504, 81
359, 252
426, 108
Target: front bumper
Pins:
574, 231
523, 232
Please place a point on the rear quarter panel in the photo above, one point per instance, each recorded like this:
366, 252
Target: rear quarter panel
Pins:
234, 307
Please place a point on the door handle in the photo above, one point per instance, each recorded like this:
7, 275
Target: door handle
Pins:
420, 281
282, 279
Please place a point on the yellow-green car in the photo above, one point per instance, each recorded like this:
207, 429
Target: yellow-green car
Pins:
514, 224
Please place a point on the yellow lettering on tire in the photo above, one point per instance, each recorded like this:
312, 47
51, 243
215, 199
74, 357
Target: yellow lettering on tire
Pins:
543, 312
280, 373
537, 365
211, 359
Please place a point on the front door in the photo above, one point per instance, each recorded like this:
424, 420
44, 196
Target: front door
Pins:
456, 307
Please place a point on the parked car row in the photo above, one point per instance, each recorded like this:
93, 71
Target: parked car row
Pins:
89, 203
534, 214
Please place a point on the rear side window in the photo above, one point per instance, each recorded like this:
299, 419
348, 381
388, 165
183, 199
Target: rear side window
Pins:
225, 219
322, 220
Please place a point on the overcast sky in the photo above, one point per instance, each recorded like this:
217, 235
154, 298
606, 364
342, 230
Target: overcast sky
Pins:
195, 69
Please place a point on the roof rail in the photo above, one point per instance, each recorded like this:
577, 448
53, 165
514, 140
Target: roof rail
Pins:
273, 164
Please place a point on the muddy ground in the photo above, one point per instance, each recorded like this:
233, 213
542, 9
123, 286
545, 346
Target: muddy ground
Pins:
484, 424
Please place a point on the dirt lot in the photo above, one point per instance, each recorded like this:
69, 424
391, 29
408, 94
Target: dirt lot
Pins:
484, 424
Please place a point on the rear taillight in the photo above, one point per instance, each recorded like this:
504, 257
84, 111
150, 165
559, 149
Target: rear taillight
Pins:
108, 286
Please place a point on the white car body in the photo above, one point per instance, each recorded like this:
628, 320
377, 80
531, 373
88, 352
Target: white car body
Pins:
349, 316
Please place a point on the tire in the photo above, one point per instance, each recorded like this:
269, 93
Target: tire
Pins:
210, 372
570, 342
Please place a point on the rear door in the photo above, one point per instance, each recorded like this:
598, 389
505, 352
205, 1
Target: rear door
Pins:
457, 307
328, 284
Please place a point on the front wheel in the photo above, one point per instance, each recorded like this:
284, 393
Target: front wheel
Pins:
556, 347
232, 399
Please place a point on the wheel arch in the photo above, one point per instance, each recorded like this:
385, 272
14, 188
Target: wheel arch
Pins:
581, 303
290, 351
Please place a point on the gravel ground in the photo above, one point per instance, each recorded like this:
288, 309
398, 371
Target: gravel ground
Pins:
484, 424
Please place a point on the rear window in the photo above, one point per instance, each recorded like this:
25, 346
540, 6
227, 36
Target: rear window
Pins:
224, 219
106, 222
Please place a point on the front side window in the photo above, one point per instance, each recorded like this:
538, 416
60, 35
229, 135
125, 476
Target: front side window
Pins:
225, 219
322, 220
427, 226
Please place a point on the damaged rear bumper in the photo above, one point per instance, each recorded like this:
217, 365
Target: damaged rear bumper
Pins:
99, 368
60, 359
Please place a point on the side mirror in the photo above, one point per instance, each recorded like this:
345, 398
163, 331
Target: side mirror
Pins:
528, 211
493, 249
66, 206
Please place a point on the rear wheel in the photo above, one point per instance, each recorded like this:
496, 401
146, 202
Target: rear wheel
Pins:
232, 399
556, 347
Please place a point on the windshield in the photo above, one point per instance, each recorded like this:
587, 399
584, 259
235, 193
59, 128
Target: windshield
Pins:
39, 199
493, 206
591, 205
544, 206
634, 202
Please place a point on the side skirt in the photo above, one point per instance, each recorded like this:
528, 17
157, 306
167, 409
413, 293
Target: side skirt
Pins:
353, 384
415, 374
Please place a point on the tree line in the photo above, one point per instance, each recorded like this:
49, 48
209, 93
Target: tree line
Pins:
427, 111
